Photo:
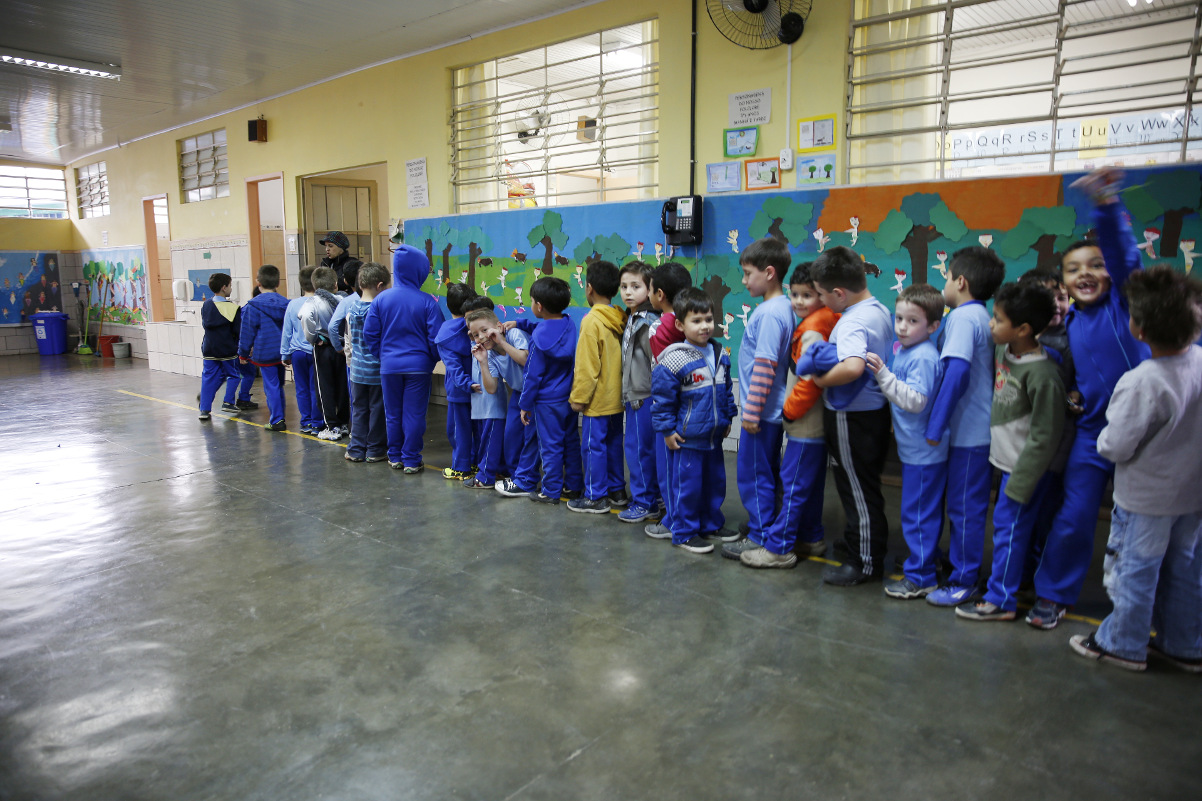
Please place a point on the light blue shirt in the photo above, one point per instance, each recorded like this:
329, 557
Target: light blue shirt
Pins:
863, 328
965, 335
337, 318
768, 335
486, 405
292, 336
511, 371
919, 368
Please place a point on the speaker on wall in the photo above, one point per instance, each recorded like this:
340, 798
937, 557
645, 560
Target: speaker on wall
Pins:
256, 130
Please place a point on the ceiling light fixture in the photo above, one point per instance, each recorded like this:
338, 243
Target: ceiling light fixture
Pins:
57, 64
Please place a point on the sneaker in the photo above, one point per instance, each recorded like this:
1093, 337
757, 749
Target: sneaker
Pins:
247, 405
413, 470
656, 512
306, 429
734, 550
344, 431
327, 434
205, 416
1088, 647
657, 531
723, 534
762, 557
905, 590
810, 548
278, 425
539, 497
634, 513
396, 465
455, 475
232, 408
620, 499
373, 459
569, 495
350, 458
589, 506
984, 610
847, 576
475, 483
695, 545
745, 529
1046, 615
510, 489
1184, 663
949, 595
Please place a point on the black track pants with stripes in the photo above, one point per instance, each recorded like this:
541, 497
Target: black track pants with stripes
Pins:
858, 443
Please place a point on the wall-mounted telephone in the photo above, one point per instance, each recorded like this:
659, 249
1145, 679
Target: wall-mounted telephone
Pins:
681, 220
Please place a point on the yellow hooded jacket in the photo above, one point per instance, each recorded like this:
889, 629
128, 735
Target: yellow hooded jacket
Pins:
597, 383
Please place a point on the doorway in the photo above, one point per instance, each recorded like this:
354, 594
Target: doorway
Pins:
265, 210
158, 258
348, 201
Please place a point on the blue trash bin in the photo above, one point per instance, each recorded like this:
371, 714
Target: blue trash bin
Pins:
50, 331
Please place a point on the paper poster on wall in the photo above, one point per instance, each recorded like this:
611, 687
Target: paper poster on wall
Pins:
816, 134
120, 290
726, 176
30, 281
419, 196
750, 108
762, 173
415, 171
816, 170
740, 142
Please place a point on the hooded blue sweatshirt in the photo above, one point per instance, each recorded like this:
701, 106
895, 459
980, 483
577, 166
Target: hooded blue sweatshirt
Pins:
262, 328
403, 322
455, 350
550, 364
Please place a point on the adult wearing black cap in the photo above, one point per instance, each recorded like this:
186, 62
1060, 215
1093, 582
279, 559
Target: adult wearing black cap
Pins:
337, 259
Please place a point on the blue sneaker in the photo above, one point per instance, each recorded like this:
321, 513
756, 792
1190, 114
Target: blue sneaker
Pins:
950, 595
635, 513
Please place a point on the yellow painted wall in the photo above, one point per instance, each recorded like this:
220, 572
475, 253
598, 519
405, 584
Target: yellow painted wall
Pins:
23, 234
399, 111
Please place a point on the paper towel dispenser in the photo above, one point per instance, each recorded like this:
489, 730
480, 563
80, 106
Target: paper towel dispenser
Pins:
181, 289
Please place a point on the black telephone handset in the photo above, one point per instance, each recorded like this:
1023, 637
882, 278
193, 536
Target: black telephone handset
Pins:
681, 220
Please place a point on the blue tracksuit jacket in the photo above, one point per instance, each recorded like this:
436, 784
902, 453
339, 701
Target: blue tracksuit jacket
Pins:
263, 328
403, 322
690, 399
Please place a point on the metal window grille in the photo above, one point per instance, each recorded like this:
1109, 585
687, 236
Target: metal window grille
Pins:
573, 122
203, 167
92, 190
36, 192
962, 88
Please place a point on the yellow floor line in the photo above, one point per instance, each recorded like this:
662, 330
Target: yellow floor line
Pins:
818, 559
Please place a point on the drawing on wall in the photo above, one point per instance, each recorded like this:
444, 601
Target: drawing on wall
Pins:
739, 142
816, 170
724, 176
905, 233
762, 173
119, 292
31, 283
816, 134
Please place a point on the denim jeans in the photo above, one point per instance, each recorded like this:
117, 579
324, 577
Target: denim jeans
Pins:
1153, 572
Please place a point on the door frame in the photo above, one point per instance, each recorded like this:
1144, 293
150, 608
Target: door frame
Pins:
158, 311
255, 239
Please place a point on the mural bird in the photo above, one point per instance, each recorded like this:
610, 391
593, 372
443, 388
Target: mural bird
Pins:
941, 255
638, 251
1149, 245
504, 272
659, 253
822, 240
1187, 253
900, 275
854, 230
732, 239
985, 239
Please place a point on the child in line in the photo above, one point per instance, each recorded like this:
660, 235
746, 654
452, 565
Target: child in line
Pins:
222, 322
1025, 424
635, 285
548, 383
454, 348
338, 329
961, 413
693, 410
763, 364
1100, 338
797, 529
521, 441
910, 386
856, 415
667, 280
489, 398
369, 434
400, 330
1154, 437
332, 391
597, 393
262, 331
296, 351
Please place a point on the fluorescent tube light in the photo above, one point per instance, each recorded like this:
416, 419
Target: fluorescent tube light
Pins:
57, 64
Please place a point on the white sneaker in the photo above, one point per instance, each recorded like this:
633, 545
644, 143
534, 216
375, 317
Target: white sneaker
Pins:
328, 434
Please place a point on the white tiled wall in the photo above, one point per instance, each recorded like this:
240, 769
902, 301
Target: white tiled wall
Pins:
174, 347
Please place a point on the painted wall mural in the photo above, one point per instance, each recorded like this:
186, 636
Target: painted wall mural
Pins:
29, 282
119, 288
905, 233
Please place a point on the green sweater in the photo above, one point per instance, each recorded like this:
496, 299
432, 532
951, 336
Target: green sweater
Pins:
1026, 419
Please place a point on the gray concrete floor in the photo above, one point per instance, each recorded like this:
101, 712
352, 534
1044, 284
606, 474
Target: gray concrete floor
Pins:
211, 611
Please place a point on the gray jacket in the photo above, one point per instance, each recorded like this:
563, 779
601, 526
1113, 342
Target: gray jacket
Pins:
636, 357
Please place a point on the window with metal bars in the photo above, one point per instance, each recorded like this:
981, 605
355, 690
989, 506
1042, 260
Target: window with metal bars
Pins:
92, 190
963, 88
203, 168
38, 192
573, 122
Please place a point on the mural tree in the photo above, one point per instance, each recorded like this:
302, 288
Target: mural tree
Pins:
549, 233
1038, 230
612, 248
923, 218
715, 274
782, 218
442, 237
475, 242
1172, 195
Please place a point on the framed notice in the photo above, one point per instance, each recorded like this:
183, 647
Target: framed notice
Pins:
815, 134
